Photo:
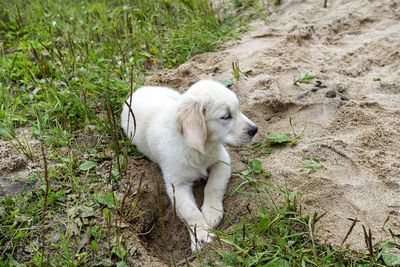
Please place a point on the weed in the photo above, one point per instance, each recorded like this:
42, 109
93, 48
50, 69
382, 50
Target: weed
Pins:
303, 77
19, 143
236, 70
293, 142
275, 141
227, 83
311, 165
278, 138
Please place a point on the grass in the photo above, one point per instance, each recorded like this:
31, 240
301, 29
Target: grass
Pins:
58, 69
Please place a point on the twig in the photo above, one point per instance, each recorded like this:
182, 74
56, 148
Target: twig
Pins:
350, 230
244, 232
368, 242
174, 204
12, 65
121, 212
325, 3
252, 218
148, 232
114, 132
46, 194
130, 108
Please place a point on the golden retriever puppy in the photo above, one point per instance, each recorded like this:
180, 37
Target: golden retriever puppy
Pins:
185, 134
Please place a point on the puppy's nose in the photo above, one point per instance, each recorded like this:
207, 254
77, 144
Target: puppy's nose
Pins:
253, 130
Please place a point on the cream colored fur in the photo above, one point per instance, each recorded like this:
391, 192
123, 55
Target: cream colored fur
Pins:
182, 134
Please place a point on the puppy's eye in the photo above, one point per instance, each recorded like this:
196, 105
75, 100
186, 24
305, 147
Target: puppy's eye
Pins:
226, 117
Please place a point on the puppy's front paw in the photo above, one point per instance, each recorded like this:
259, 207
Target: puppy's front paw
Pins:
213, 214
199, 237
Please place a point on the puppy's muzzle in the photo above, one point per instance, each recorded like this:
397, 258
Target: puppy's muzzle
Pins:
253, 130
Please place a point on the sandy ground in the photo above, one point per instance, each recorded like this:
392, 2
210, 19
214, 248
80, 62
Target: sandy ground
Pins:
352, 122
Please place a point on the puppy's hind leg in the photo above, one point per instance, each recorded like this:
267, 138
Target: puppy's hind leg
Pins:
187, 209
218, 178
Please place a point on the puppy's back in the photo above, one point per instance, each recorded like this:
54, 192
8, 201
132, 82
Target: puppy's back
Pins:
147, 103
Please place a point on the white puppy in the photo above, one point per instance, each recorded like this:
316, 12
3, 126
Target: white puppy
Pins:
183, 134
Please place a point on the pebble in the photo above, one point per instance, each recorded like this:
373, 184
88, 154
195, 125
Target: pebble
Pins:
331, 94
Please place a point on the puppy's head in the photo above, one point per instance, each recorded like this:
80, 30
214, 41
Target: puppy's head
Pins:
209, 111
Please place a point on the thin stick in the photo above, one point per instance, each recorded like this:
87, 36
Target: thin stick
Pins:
174, 204
350, 230
130, 135
368, 241
46, 194
325, 3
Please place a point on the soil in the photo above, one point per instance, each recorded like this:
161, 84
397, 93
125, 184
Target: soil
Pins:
352, 121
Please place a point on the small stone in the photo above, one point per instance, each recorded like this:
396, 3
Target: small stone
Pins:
331, 94
318, 84
340, 88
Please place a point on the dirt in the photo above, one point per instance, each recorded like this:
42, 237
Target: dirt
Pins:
352, 121
15, 167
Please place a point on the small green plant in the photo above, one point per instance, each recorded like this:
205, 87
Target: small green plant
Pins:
236, 70
255, 167
227, 83
278, 140
252, 175
296, 136
303, 77
311, 165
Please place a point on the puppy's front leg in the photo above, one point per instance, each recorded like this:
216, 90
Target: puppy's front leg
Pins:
187, 209
218, 178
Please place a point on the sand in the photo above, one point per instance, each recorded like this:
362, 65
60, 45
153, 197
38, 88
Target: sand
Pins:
352, 120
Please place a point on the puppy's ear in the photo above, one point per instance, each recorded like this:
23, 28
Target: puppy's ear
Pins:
191, 123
